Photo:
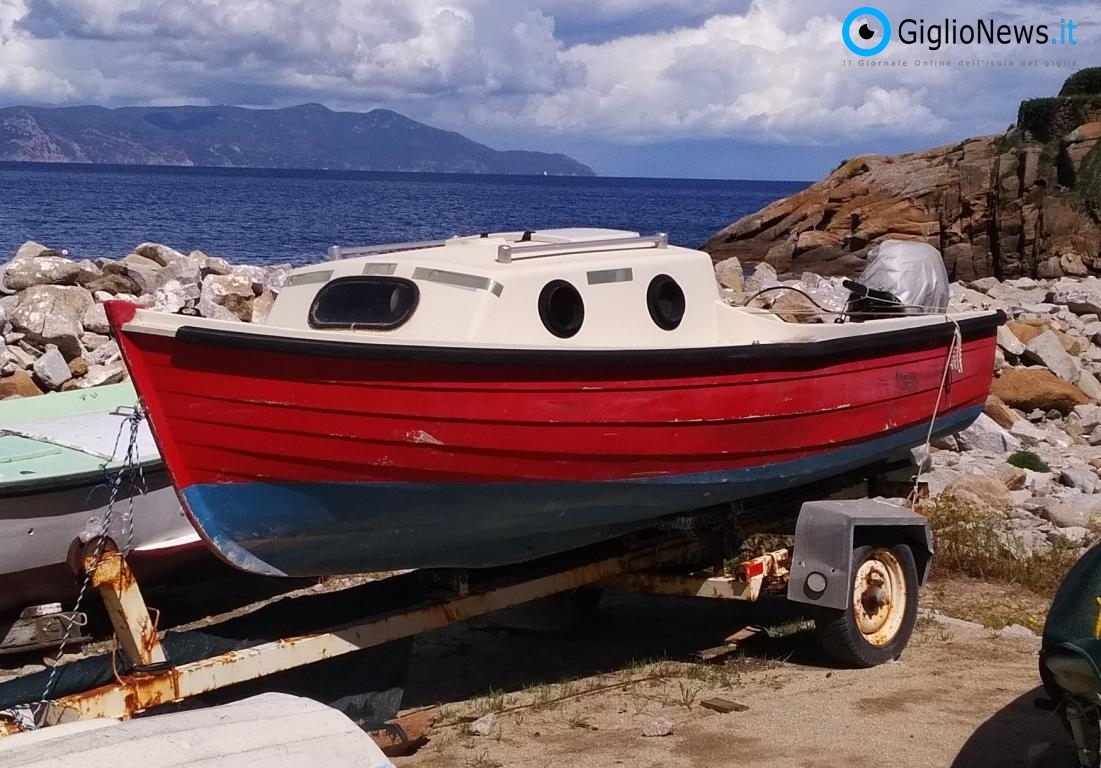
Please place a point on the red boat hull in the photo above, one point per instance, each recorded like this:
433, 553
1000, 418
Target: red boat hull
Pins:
278, 446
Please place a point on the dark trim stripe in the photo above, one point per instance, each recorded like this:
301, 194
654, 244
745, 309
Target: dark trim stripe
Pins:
888, 342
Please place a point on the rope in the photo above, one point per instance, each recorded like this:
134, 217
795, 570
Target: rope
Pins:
131, 464
953, 362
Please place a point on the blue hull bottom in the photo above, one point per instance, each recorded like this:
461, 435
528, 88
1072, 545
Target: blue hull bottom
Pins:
312, 529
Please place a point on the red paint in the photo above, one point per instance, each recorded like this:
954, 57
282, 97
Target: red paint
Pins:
224, 415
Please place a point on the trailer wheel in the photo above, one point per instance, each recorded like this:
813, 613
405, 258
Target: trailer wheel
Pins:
878, 625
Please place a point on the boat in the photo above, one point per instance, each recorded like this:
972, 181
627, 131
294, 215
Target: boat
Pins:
58, 456
492, 399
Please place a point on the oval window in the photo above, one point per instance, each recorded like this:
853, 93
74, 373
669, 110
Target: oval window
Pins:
665, 300
561, 308
379, 303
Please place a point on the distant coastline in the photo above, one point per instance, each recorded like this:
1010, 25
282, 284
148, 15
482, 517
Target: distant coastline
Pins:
307, 136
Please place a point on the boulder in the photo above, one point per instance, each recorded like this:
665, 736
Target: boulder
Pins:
95, 320
53, 314
104, 354
1036, 388
1085, 480
729, 274
1047, 350
1013, 478
980, 490
261, 306
231, 293
18, 384
20, 274
1028, 433
97, 375
51, 370
1026, 332
161, 254
1089, 385
1079, 300
985, 435
1088, 415
1076, 511
1009, 342
78, 366
113, 283
33, 250
1002, 414
794, 307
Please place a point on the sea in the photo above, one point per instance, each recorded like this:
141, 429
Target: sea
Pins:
263, 216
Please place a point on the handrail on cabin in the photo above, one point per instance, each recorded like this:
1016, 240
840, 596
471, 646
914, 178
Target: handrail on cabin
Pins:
506, 253
336, 252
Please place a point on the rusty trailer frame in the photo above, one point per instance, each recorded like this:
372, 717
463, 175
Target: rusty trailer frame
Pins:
666, 562
158, 683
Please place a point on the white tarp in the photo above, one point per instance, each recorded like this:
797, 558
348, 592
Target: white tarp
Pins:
913, 272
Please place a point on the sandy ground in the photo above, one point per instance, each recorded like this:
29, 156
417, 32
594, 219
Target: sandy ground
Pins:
961, 695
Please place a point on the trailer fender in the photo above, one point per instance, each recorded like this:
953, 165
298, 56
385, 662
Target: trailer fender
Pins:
826, 533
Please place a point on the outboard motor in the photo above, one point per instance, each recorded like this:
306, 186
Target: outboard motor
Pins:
867, 303
900, 277
1071, 653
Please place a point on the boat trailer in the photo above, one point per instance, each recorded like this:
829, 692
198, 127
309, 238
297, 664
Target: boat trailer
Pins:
856, 564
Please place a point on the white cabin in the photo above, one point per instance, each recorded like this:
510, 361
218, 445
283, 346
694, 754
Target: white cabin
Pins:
554, 288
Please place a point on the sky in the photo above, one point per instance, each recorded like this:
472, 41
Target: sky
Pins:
673, 88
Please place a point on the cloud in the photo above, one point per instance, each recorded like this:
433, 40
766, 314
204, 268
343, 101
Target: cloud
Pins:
766, 71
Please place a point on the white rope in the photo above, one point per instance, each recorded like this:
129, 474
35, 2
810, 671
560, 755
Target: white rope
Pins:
953, 362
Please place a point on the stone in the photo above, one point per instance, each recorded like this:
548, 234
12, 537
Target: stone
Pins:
1089, 385
232, 293
1038, 482
95, 320
78, 366
53, 314
93, 340
112, 283
1084, 480
51, 370
261, 306
1094, 437
659, 726
1025, 332
18, 384
103, 374
980, 490
794, 307
1047, 350
1010, 343
1028, 433
1035, 388
145, 273
33, 250
174, 296
1080, 301
20, 274
1088, 415
729, 274
210, 265
985, 435
483, 725
104, 354
1013, 478
1073, 512
161, 254
257, 275
764, 276
1002, 414
1076, 534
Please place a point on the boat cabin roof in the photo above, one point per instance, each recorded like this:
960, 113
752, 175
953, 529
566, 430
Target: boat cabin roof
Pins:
583, 287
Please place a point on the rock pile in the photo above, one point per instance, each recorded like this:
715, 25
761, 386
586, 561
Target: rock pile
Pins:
53, 326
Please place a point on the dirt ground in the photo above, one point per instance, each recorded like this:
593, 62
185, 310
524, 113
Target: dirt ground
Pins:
961, 695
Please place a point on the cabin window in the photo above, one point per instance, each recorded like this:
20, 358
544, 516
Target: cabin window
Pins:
665, 300
370, 302
561, 309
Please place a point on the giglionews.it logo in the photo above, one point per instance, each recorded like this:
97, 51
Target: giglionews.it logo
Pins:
866, 31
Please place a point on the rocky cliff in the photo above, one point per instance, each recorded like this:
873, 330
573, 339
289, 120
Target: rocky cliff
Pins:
1024, 203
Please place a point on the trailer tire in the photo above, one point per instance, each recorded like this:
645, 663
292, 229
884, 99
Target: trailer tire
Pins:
877, 626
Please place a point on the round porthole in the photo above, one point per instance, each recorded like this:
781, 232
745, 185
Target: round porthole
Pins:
561, 308
665, 300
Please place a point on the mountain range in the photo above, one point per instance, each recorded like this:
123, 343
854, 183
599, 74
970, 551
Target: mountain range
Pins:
306, 136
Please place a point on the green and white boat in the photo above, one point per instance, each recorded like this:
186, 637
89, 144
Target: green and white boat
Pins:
58, 455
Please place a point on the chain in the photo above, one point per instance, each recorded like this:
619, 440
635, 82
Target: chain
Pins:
131, 466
